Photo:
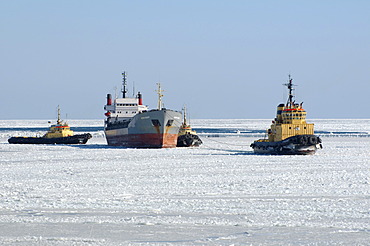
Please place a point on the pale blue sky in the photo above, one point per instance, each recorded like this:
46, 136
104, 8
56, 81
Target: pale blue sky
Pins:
223, 59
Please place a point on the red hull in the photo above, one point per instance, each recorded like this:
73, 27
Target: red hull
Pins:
148, 140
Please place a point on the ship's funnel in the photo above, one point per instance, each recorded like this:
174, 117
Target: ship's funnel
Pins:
140, 98
109, 99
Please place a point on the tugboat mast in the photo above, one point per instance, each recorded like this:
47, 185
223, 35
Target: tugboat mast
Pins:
124, 91
58, 120
184, 115
290, 88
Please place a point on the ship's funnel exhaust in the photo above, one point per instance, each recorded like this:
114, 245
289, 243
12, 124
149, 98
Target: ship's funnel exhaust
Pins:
109, 99
140, 98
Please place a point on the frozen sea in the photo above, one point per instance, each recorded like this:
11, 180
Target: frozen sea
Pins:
217, 194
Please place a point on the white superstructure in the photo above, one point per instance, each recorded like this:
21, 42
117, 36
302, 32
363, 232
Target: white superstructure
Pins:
125, 107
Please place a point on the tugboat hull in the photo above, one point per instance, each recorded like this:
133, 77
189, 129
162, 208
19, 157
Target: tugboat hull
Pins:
75, 139
295, 145
188, 140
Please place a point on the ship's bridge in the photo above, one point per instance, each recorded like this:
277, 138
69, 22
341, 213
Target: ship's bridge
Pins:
293, 115
125, 107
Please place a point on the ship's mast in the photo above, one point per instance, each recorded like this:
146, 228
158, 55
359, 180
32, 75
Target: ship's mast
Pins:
184, 115
124, 91
160, 95
290, 88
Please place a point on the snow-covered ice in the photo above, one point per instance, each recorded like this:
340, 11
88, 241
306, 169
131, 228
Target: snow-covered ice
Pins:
218, 194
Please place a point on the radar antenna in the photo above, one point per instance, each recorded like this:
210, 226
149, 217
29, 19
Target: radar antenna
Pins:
124, 91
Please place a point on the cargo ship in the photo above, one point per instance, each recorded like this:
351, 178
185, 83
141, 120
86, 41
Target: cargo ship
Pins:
187, 136
131, 124
60, 133
289, 133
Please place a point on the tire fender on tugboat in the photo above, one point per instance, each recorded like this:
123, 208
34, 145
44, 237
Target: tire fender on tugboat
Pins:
303, 140
312, 140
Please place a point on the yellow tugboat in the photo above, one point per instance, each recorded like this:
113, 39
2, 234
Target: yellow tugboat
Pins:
289, 134
187, 137
60, 133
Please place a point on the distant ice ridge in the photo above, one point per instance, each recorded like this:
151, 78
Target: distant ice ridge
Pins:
355, 125
37, 128
258, 127
205, 127
45, 123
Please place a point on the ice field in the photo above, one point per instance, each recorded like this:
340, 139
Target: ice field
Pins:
217, 194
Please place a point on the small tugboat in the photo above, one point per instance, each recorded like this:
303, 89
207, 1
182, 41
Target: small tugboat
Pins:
289, 133
57, 134
187, 136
